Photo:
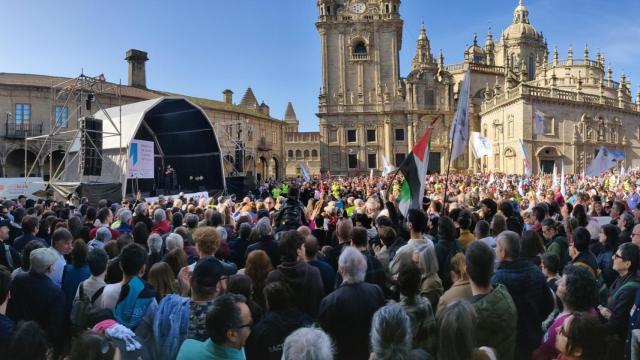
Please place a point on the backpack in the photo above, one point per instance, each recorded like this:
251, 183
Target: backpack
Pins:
82, 308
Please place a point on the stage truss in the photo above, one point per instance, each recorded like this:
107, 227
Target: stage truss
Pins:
78, 95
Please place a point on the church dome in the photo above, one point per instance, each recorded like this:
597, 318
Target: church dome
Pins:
520, 27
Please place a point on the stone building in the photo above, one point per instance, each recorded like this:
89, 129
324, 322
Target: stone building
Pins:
366, 109
302, 148
29, 107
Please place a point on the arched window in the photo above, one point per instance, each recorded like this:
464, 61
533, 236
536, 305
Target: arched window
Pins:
360, 48
298, 153
306, 154
290, 153
314, 153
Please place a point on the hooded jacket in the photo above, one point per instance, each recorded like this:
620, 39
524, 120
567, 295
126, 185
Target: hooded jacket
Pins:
497, 321
304, 280
268, 335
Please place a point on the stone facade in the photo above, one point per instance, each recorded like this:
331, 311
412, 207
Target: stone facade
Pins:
363, 94
302, 148
264, 144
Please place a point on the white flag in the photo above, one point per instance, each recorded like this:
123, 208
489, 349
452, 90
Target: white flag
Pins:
305, 172
555, 176
371, 175
388, 168
459, 134
538, 122
481, 145
525, 159
602, 163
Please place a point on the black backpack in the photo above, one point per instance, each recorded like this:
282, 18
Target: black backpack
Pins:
83, 308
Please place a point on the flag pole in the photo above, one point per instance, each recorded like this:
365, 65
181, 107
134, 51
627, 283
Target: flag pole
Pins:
446, 181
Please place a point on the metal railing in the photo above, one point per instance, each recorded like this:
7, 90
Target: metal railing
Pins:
21, 131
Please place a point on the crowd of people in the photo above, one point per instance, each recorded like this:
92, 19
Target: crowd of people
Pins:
490, 267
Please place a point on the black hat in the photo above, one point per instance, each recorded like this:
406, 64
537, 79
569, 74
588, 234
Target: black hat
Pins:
5, 222
209, 270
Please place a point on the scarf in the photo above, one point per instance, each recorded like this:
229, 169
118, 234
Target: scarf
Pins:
130, 310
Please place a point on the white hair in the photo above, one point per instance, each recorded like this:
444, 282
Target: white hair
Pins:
103, 234
125, 216
391, 333
222, 232
154, 242
174, 241
307, 343
427, 258
159, 215
141, 208
353, 265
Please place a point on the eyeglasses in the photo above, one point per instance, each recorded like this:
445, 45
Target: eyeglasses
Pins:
615, 255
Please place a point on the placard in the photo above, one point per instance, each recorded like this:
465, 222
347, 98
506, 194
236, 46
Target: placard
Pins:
141, 158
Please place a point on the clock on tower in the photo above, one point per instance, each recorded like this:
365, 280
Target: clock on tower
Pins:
358, 8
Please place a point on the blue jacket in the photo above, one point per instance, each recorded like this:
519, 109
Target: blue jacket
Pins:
533, 299
72, 276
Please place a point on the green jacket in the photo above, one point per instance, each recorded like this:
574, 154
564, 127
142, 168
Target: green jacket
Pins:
559, 246
497, 320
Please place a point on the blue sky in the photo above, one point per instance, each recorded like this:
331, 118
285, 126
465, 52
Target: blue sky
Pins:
201, 47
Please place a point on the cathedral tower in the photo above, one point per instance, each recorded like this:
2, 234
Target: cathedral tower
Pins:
361, 99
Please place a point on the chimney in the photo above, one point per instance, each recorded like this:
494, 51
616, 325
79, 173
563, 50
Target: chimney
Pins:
137, 72
228, 96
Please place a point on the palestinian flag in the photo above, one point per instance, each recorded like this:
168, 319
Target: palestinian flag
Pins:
414, 170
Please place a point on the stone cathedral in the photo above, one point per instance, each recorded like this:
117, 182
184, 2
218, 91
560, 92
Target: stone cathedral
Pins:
367, 110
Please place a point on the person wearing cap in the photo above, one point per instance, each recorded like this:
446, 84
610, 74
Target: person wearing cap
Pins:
34, 296
179, 318
9, 257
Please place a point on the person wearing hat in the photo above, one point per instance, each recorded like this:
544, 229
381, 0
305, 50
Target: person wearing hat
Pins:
34, 296
179, 318
9, 257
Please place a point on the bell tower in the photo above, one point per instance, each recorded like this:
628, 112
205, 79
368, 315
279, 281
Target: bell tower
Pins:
361, 88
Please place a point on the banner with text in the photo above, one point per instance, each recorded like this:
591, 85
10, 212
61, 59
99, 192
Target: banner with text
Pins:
11, 188
140, 160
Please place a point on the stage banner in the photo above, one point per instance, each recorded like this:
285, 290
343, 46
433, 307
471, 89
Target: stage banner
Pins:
140, 160
11, 188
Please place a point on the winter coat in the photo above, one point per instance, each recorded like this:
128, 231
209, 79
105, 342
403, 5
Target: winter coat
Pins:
346, 315
533, 299
304, 280
496, 321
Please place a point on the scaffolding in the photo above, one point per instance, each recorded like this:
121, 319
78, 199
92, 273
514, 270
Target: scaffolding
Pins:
77, 95
237, 134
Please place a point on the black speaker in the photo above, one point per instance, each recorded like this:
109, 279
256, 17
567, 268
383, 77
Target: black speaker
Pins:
240, 185
239, 158
90, 147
